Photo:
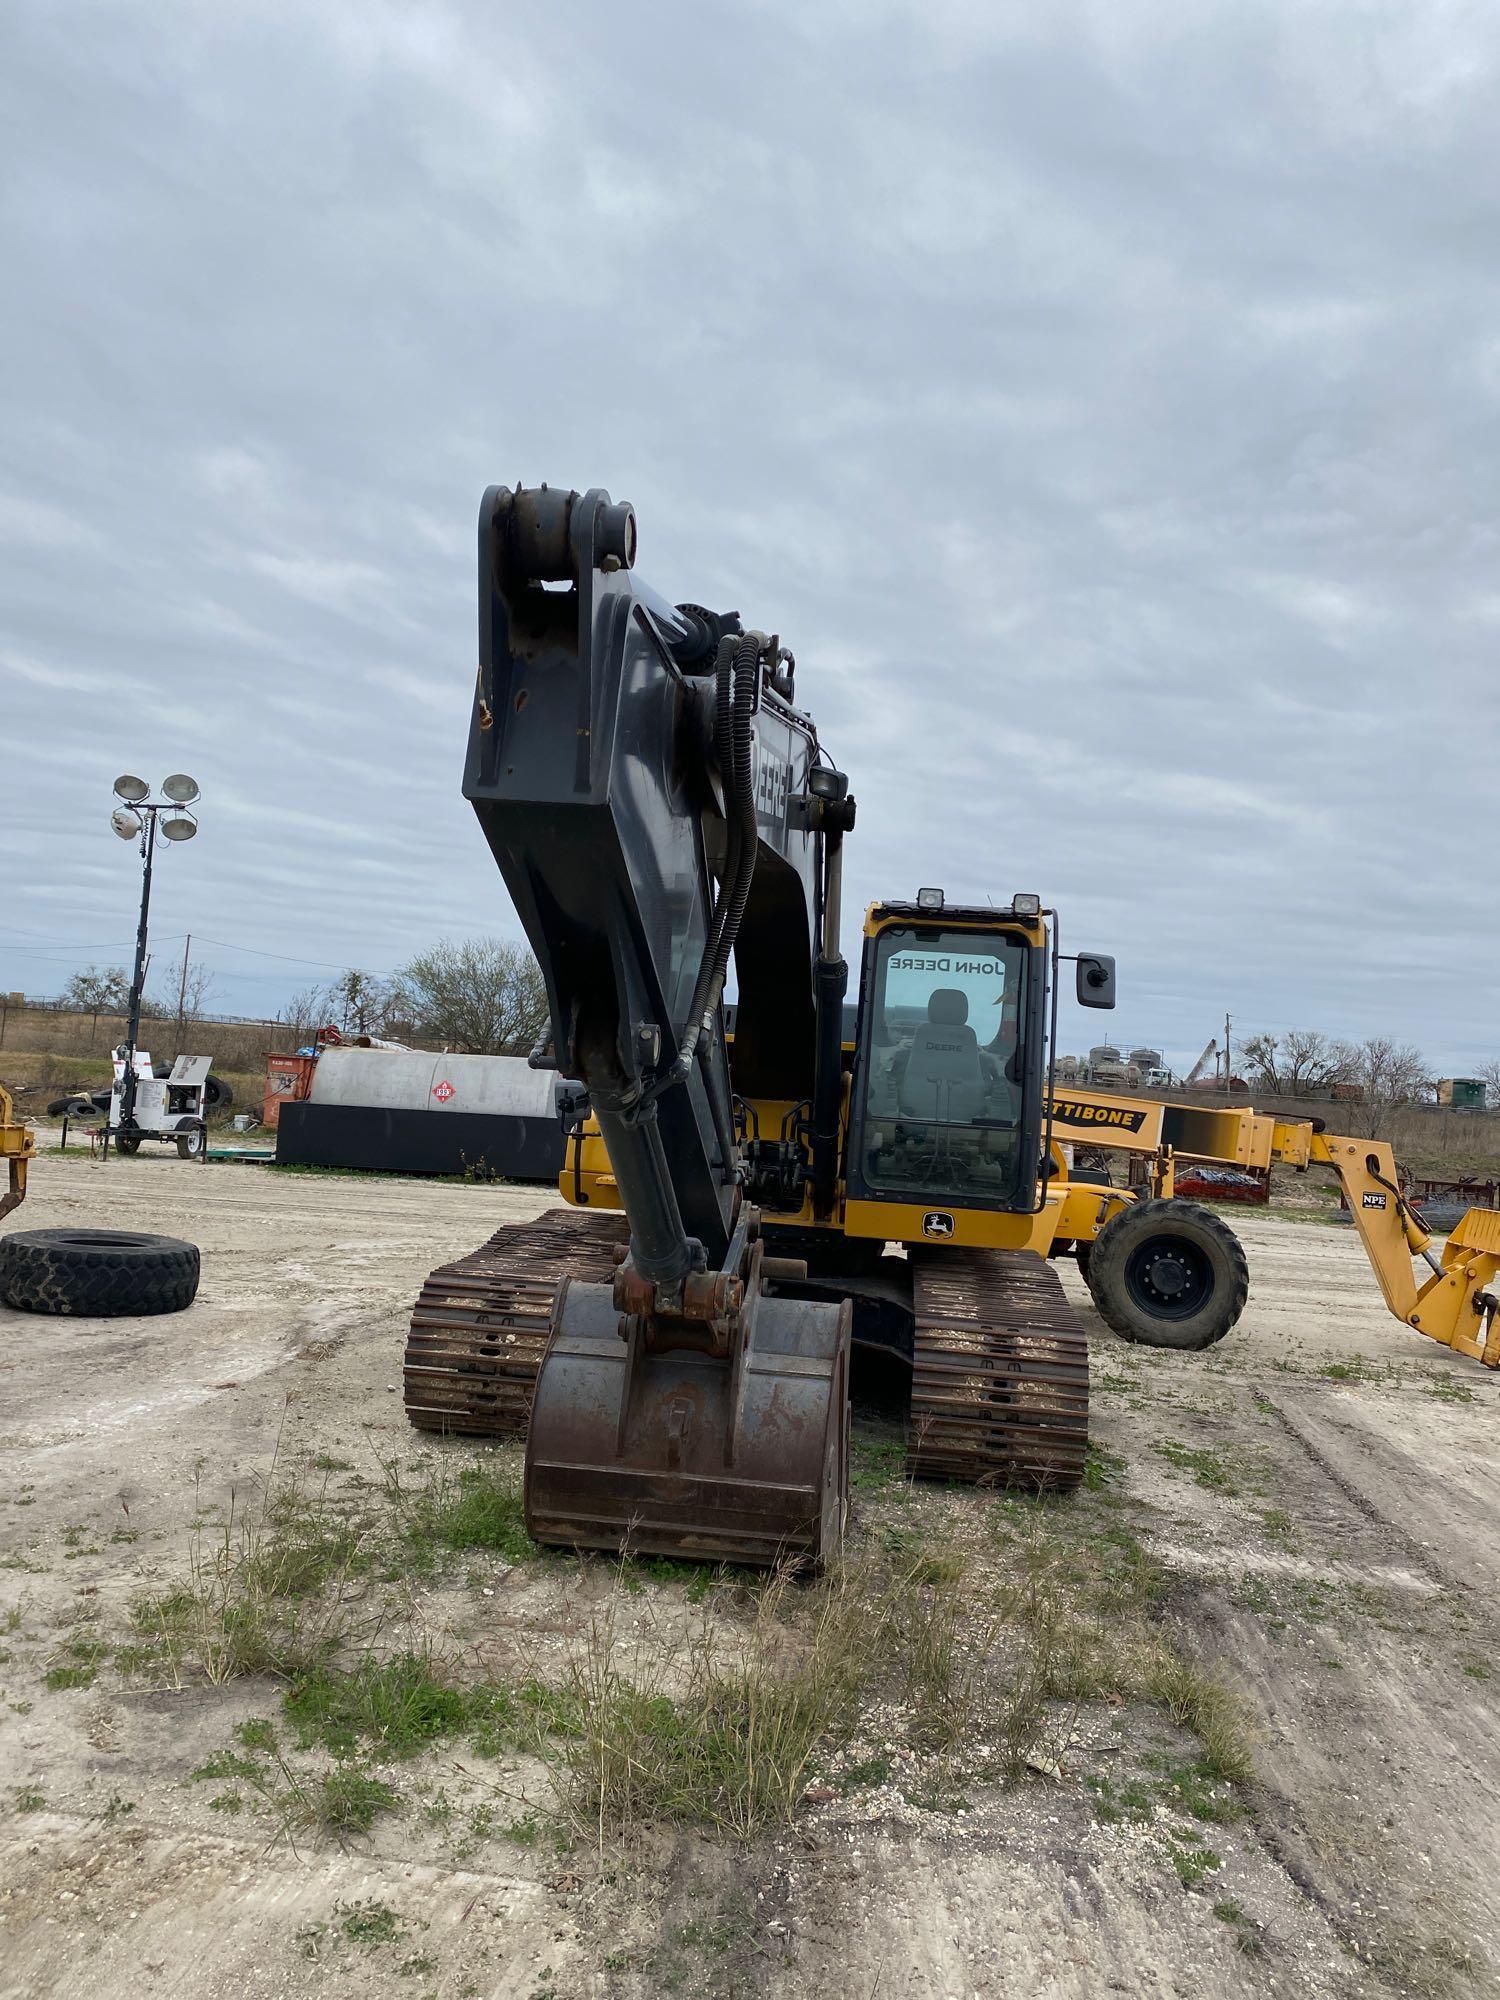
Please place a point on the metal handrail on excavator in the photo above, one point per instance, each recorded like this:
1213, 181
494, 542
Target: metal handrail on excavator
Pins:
1453, 1304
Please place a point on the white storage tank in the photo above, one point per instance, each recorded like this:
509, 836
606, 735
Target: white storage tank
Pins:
409, 1111
417, 1080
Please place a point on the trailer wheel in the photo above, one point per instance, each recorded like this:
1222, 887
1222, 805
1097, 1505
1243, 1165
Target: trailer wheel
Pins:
1168, 1274
191, 1140
128, 1143
96, 1273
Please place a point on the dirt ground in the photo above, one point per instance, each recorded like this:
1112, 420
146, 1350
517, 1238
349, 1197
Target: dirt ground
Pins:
1323, 1490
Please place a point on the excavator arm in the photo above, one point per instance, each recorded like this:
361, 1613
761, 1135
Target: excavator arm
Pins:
657, 806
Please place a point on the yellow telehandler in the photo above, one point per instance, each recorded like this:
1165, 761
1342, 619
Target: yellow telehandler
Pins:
17, 1144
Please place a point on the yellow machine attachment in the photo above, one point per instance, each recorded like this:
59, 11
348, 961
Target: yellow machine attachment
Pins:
17, 1144
1454, 1303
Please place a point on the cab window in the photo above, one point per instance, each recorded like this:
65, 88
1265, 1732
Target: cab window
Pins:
943, 1076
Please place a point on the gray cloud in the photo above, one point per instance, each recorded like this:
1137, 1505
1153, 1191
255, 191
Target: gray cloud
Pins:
1102, 399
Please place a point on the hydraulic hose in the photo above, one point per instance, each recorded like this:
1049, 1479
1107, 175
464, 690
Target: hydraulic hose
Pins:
737, 671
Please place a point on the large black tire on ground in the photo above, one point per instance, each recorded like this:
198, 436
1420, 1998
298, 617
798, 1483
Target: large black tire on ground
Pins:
216, 1092
1168, 1274
96, 1273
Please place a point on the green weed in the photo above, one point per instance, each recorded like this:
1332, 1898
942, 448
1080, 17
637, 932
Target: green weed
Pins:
1101, 1468
1220, 1468
370, 1923
1450, 1392
1247, 1938
876, 1463
271, 1592
65, 1676
1192, 1862
478, 1506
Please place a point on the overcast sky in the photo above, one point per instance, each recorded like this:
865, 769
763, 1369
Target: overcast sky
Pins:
1100, 398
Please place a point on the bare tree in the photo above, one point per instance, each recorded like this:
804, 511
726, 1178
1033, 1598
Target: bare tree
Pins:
305, 1012
1390, 1074
483, 996
1297, 1063
95, 991
363, 1003
178, 999
1489, 1076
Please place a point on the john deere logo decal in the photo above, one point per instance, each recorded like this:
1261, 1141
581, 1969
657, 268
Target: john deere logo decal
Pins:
937, 1223
1069, 1111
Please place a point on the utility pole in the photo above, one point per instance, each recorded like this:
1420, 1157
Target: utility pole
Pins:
182, 998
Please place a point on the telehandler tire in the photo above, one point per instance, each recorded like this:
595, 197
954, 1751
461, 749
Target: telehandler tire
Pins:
96, 1273
1168, 1274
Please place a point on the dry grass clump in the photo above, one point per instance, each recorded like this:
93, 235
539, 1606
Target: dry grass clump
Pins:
272, 1591
728, 1730
726, 1734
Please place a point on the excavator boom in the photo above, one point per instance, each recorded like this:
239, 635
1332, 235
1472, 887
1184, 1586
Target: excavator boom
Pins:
656, 804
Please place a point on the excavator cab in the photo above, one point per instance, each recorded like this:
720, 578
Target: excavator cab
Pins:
947, 1098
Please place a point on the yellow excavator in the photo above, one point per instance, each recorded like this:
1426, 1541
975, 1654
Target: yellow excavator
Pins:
675, 1343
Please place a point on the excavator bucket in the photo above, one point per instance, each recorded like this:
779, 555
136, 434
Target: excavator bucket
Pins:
683, 1453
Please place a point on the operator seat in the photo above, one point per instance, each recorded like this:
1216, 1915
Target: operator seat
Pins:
944, 1078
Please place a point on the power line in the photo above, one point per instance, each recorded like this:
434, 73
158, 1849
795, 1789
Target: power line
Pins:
98, 944
174, 937
287, 958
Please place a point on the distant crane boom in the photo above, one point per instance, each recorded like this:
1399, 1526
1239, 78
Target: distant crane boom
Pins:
1198, 1067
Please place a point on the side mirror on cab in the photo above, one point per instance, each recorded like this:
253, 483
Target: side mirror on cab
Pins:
1096, 979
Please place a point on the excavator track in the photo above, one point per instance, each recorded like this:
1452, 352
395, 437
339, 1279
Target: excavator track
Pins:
480, 1326
1000, 1374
